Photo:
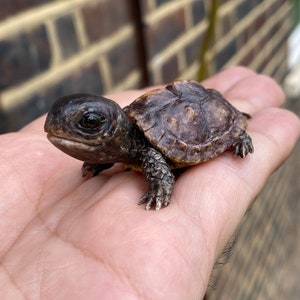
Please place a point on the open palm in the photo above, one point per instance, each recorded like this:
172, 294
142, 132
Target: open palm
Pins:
64, 237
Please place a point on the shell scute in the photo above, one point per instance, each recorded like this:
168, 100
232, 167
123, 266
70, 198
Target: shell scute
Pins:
187, 122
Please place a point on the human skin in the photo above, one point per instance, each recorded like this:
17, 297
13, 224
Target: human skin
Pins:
65, 237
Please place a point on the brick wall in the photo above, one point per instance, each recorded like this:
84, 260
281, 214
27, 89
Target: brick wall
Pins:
52, 48
251, 33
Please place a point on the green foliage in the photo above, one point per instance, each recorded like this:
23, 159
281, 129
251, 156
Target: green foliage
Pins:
203, 71
296, 12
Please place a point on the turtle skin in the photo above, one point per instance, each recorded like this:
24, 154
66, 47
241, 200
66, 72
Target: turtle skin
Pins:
177, 126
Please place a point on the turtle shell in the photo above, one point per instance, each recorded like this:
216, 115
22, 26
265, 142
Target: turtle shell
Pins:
187, 122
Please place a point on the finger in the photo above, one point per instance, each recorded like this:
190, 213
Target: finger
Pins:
36, 126
227, 78
275, 132
254, 93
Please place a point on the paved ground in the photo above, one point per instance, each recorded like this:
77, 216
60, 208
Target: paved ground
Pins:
265, 261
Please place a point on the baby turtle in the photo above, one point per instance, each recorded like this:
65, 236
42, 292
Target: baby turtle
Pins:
180, 125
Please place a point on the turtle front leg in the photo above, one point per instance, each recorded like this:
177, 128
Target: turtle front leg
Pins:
159, 177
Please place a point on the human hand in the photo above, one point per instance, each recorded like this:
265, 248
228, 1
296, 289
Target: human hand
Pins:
63, 237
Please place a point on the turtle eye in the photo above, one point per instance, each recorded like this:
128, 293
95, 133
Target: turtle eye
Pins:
91, 121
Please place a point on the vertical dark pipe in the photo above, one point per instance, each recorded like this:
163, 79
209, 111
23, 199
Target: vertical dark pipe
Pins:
140, 40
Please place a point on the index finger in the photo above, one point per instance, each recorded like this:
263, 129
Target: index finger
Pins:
226, 79
247, 90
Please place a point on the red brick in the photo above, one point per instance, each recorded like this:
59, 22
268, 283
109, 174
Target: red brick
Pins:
160, 2
192, 50
226, 23
123, 59
145, 8
66, 33
198, 11
170, 70
87, 79
225, 54
244, 8
10, 7
24, 56
164, 32
105, 17
260, 21
245, 35
248, 58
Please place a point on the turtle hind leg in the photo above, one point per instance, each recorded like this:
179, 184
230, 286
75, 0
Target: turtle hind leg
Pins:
243, 146
159, 177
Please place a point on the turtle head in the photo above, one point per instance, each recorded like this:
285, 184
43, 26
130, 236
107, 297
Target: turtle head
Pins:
90, 128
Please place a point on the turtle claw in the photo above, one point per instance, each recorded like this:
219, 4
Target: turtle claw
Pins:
150, 201
157, 198
145, 199
243, 146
